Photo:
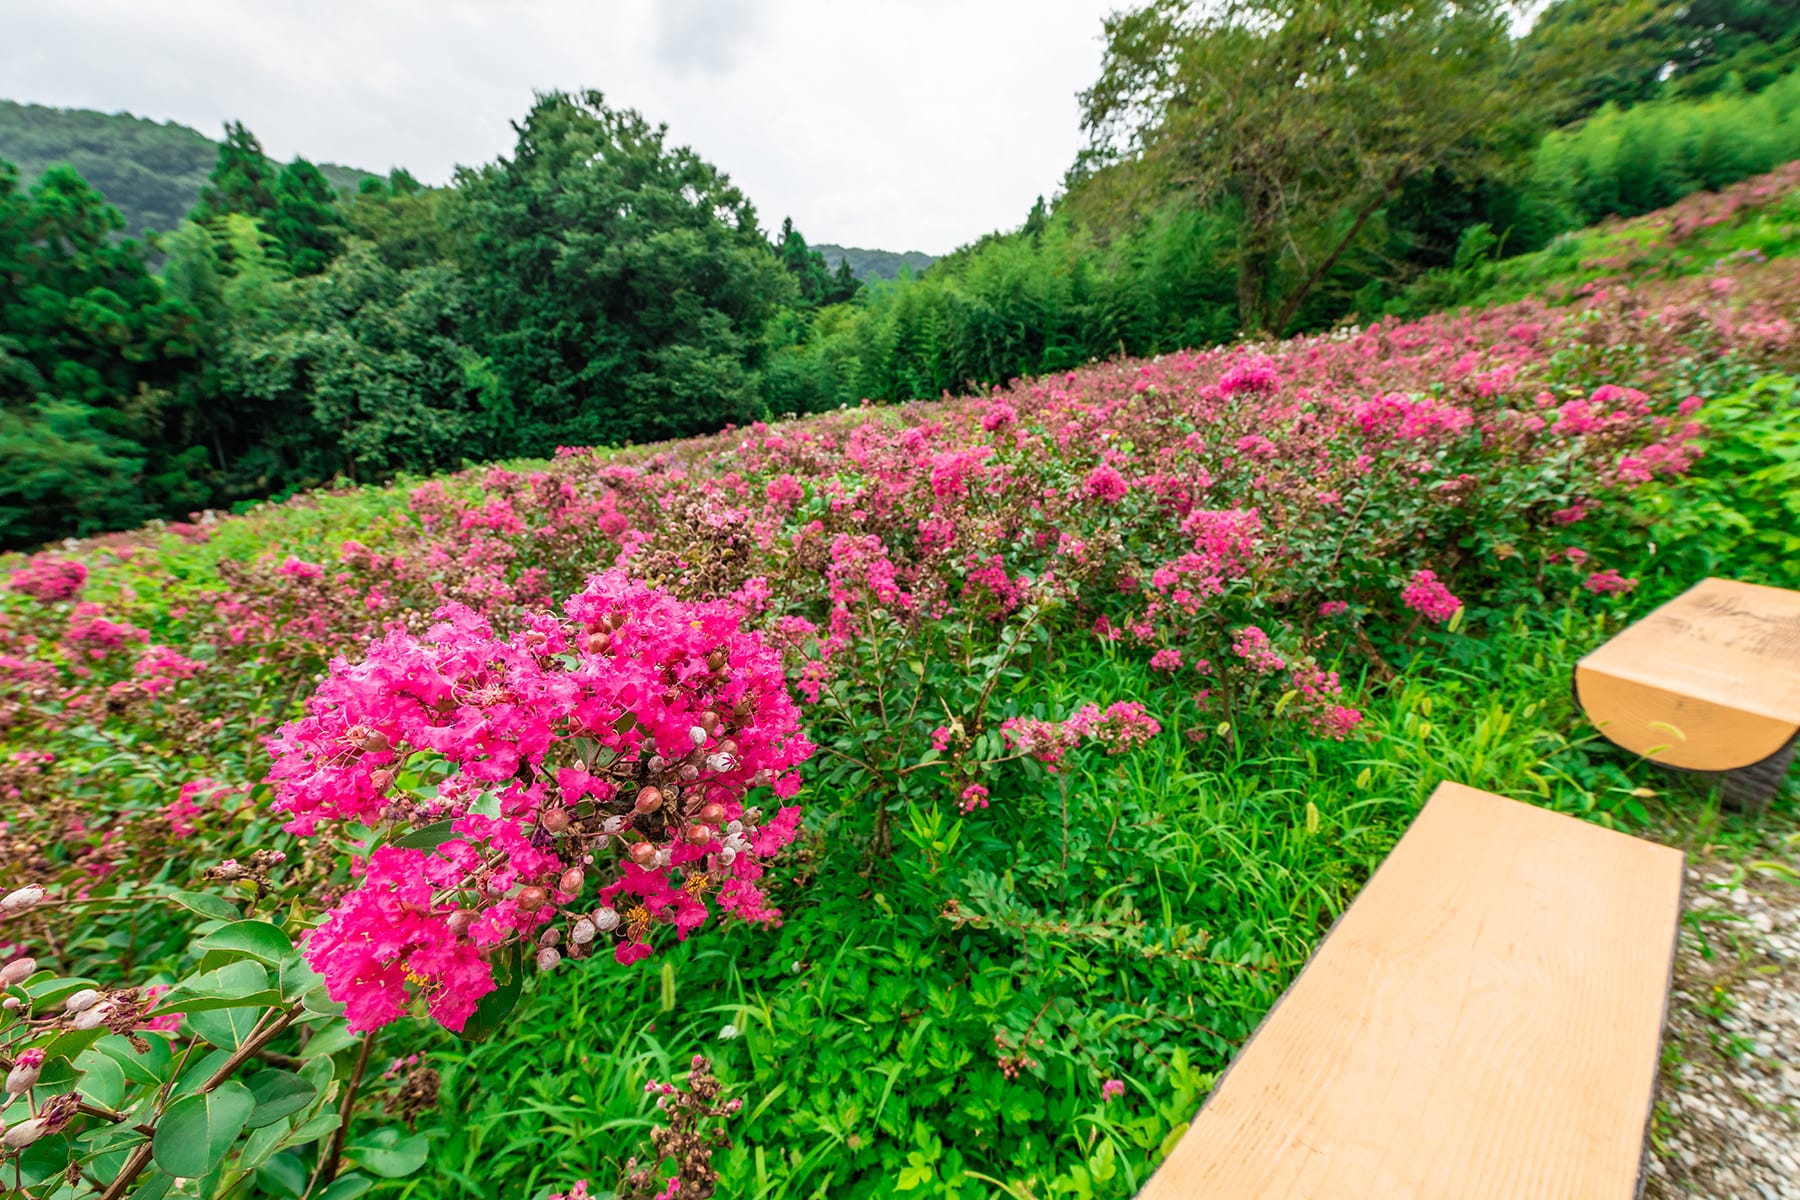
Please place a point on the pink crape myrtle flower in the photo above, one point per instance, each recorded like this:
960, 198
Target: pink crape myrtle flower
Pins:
1607, 582
1428, 597
48, 579
1112, 1089
619, 741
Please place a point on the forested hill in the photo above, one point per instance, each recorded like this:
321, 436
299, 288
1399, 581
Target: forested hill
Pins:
875, 264
152, 172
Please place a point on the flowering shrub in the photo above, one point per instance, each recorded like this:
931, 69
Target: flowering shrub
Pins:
617, 744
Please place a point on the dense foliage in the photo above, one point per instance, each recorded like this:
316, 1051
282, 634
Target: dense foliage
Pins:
1120, 679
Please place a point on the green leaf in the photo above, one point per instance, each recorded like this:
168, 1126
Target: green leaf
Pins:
390, 1153
296, 978
347, 1187
197, 1132
278, 1094
249, 939
313, 1130
206, 905
102, 1080
244, 982
498, 1004
225, 1028
429, 838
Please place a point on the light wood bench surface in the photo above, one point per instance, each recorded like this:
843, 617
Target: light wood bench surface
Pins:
1482, 1023
1708, 682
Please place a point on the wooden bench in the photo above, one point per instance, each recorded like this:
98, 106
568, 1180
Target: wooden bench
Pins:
1482, 1023
1709, 682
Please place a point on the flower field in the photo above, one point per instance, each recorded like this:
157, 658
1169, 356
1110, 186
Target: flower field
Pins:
962, 780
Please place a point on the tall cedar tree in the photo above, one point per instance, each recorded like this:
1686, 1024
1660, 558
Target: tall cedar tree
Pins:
624, 283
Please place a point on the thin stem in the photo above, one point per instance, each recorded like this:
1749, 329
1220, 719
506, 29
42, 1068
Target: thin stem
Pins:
327, 1169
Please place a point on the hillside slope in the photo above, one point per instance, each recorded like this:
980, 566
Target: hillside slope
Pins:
151, 171
867, 265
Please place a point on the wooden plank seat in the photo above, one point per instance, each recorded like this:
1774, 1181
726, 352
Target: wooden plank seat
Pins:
1709, 682
1482, 1023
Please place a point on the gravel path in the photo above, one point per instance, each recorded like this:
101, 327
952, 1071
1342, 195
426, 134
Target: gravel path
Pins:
1728, 1125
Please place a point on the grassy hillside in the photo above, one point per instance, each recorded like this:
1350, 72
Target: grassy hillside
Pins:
1121, 680
151, 172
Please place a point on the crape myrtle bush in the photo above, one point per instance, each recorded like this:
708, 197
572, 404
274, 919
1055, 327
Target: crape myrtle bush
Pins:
273, 801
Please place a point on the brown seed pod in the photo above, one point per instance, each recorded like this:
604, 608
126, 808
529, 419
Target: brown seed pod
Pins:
648, 800
555, 820
712, 814
532, 898
643, 853
460, 920
571, 881
717, 659
699, 834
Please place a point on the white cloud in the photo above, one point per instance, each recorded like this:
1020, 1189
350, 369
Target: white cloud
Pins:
903, 124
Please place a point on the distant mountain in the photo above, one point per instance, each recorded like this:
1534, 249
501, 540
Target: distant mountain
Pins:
151, 172
874, 264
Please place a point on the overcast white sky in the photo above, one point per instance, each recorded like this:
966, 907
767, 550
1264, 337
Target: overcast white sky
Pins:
898, 124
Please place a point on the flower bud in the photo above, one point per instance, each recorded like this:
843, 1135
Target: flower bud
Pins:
92, 1018
699, 835
548, 957
689, 772
24, 1133
17, 972
709, 720
643, 853
550, 936
655, 763
606, 920
20, 899
571, 881
712, 814
614, 825
459, 922
597, 643
81, 1001
582, 932
728, 746
555, 820
648, 801
717, 659
532, 898
24, 1075
381, 780
11, 1004
698, 735
727, 856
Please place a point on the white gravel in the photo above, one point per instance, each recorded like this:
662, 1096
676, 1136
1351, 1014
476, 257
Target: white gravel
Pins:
1728, 1124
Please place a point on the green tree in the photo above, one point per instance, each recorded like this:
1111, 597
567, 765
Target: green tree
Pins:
91, 351
242, 180
1306, 117
624, 283
305, 218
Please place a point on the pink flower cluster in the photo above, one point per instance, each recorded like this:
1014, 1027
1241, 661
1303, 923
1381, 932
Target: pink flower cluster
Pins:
619, 741
1426, 595
49, 579
1119, 727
